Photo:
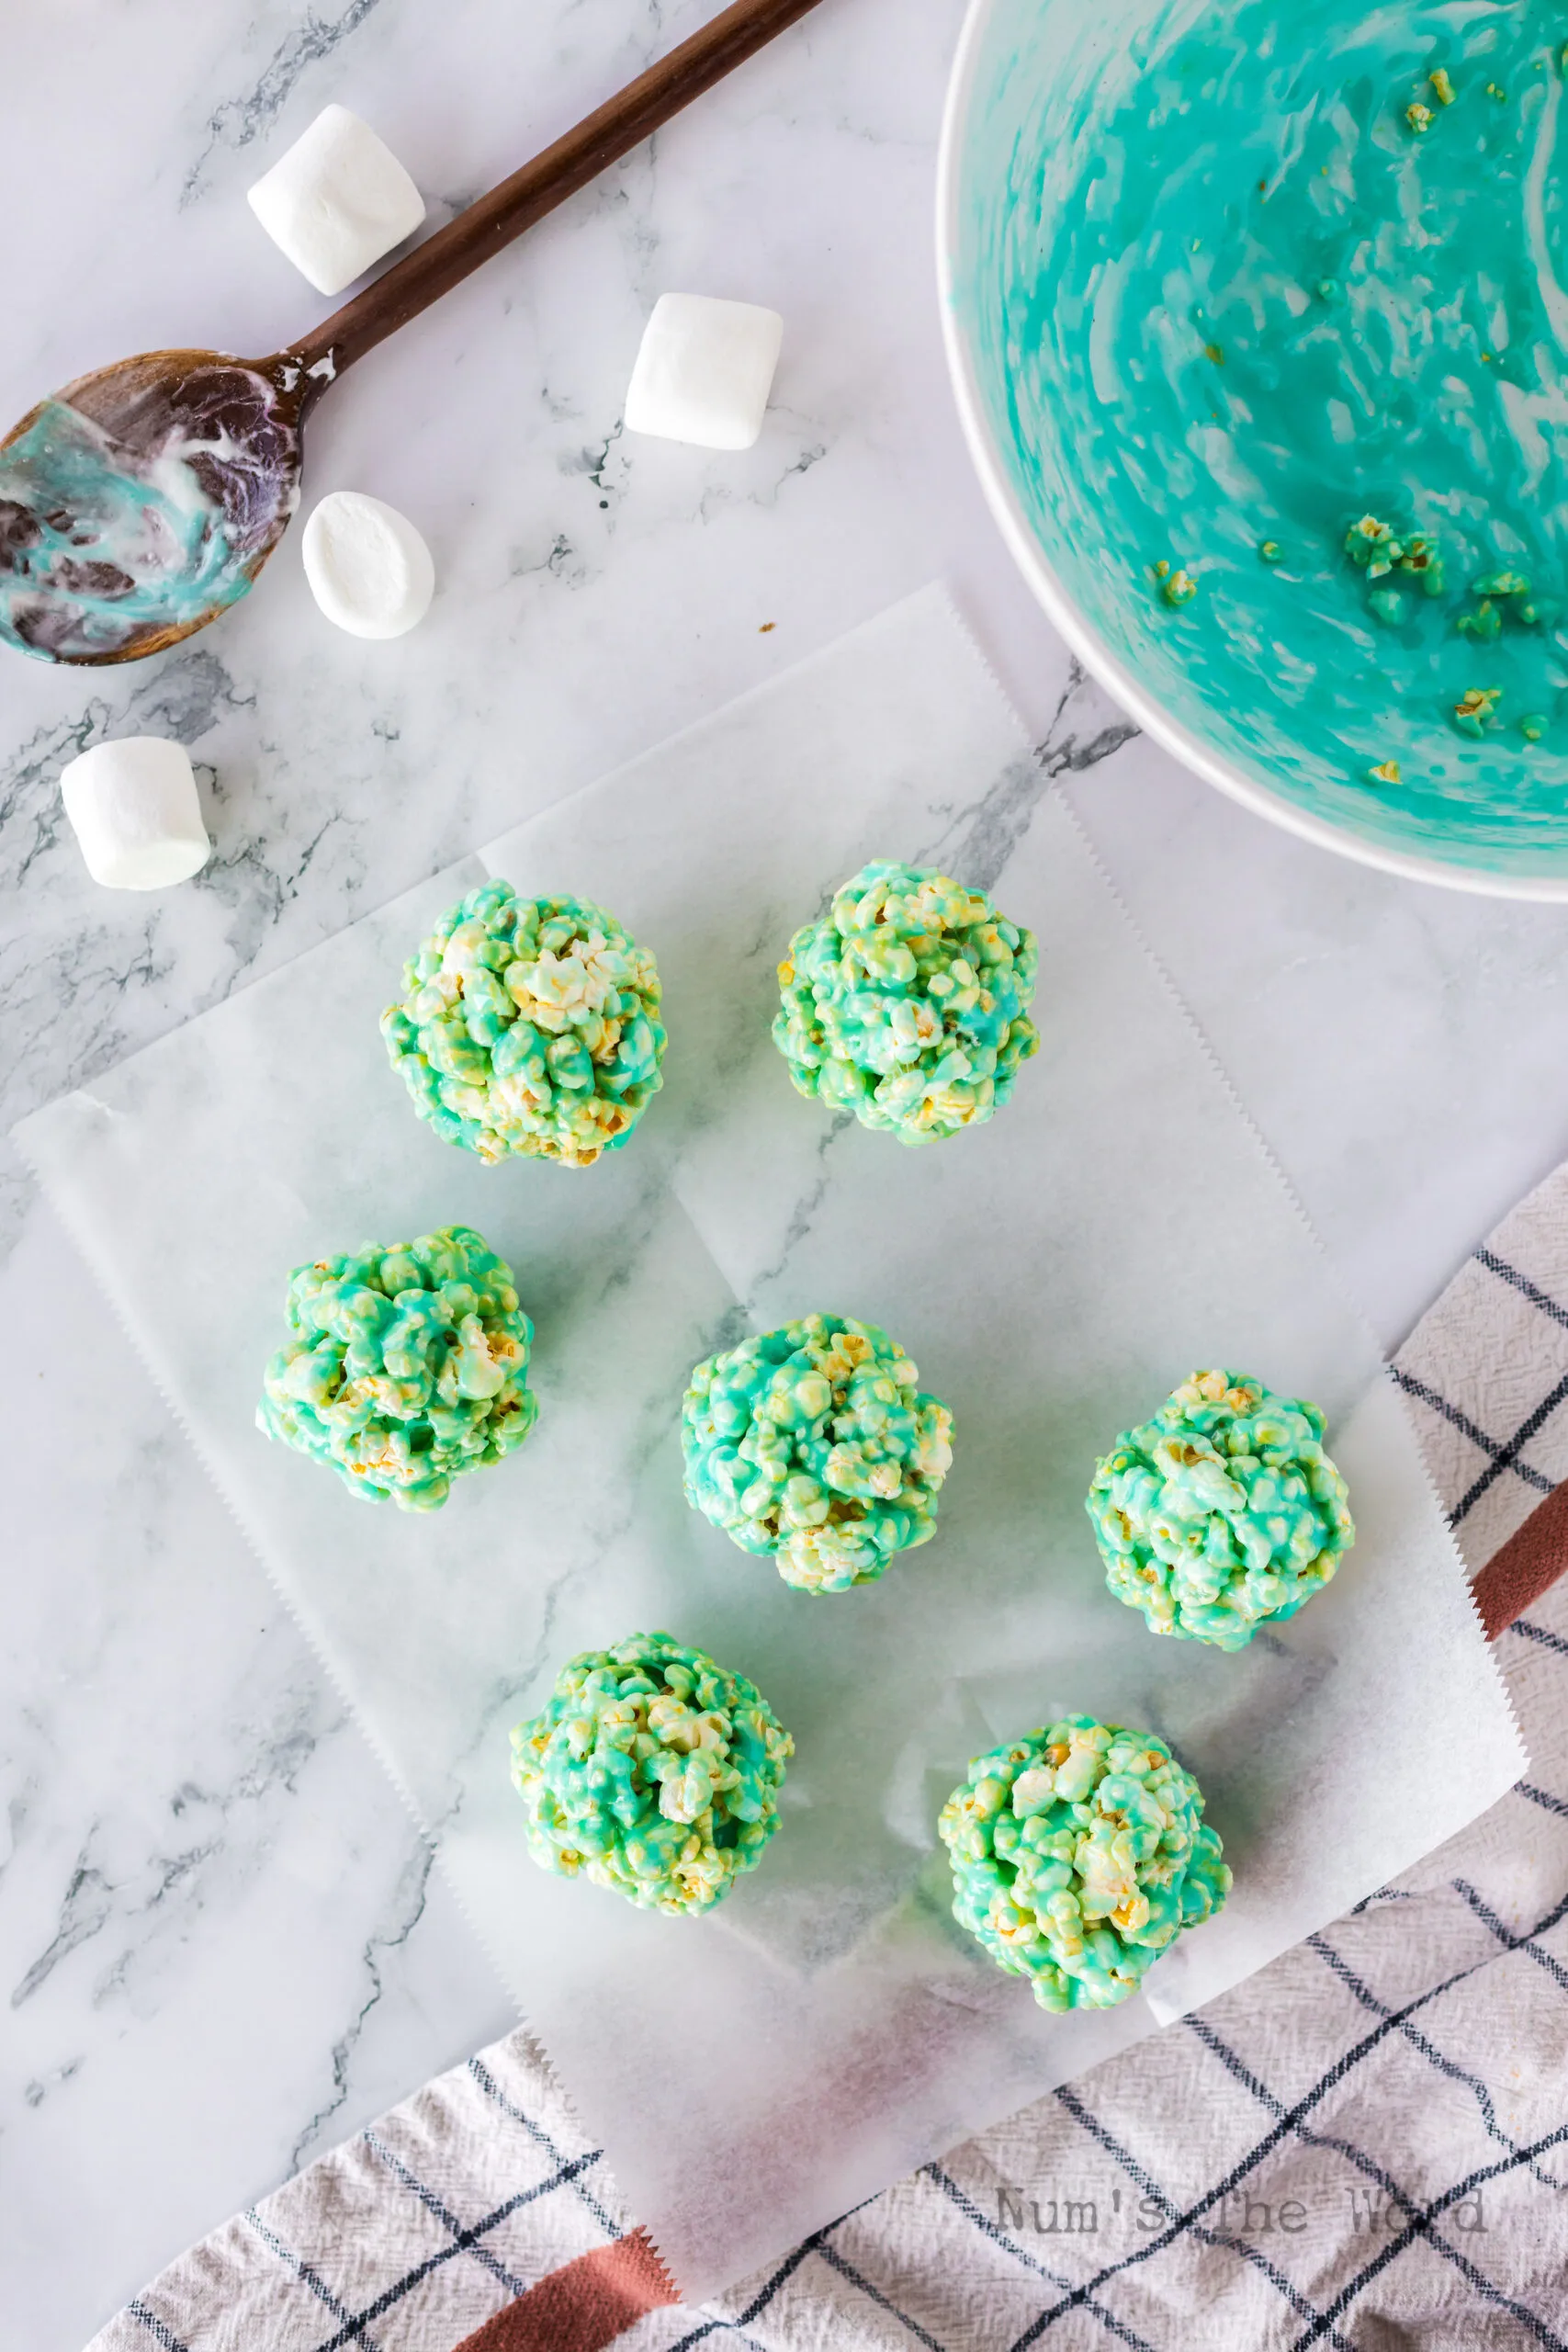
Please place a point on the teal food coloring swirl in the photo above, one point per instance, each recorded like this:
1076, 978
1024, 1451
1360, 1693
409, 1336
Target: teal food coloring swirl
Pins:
115, 532
130, 544
1238, 280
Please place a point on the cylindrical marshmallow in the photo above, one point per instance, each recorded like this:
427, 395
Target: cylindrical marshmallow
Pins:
705, 372
368, 569
337, 200
134, 809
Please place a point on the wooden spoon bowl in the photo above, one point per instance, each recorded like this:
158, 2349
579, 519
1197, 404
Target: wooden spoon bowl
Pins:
141, 501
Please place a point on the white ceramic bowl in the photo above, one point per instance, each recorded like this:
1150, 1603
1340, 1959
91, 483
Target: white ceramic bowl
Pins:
1040, 39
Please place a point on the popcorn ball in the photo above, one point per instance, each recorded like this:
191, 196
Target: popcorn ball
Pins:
812, 1443
529, 1027
652, 1771
1222, 1513
1080, 1853
405, 1366
907, 1004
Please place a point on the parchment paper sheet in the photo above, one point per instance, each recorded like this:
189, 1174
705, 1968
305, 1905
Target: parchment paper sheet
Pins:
754, 2073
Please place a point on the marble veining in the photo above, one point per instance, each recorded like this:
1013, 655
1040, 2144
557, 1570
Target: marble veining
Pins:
123, 1904
237, 121
388, 1938
595, 594
1079, 736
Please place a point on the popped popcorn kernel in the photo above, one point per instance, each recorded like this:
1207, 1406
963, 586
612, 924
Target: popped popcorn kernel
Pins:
1422, 559
1418, 117
1475, 709
1514, 589
1442, 88
1370, 544
1088, 1857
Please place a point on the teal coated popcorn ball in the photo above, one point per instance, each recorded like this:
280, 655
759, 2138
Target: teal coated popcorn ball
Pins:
405, 1367
1222, 1513
909, 1004
813, 1445
652, 1771
529, 1028
1080, 1853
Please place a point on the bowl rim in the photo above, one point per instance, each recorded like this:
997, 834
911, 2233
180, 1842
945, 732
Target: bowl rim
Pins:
1083, 639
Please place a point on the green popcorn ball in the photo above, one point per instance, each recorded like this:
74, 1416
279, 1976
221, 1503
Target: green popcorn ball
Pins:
405, 1366
1222, 1513
529, 1028
1080, 1853
812, 1444
652, 1771
907, 1004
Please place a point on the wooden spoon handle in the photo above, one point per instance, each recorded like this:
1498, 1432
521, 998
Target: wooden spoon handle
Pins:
427, 273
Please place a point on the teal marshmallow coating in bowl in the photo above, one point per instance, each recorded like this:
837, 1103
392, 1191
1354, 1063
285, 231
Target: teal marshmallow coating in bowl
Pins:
529, 1028
406, 1366
1080, 1853
812, 1446
652, 1771
1222, 1513
1222, 277
908, 1003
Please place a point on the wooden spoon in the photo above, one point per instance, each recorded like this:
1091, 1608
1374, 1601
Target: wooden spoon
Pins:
139, 502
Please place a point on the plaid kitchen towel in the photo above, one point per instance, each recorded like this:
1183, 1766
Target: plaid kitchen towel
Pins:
1364, 2146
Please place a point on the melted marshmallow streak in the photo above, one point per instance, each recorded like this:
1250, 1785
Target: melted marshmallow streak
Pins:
144, 522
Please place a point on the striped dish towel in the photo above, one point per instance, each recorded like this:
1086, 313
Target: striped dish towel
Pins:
1365, 2146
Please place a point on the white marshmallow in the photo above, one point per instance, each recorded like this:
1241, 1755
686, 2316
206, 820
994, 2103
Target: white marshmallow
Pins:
136, 815
337, 201
368, 569
704, 371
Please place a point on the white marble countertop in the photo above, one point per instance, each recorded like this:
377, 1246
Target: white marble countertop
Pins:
221, 1939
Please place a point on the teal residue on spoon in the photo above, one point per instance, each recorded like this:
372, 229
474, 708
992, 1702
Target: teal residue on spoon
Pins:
1238, 280
112, 539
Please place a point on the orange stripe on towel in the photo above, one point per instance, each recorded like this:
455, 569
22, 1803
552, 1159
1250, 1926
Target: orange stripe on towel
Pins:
584, 2306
